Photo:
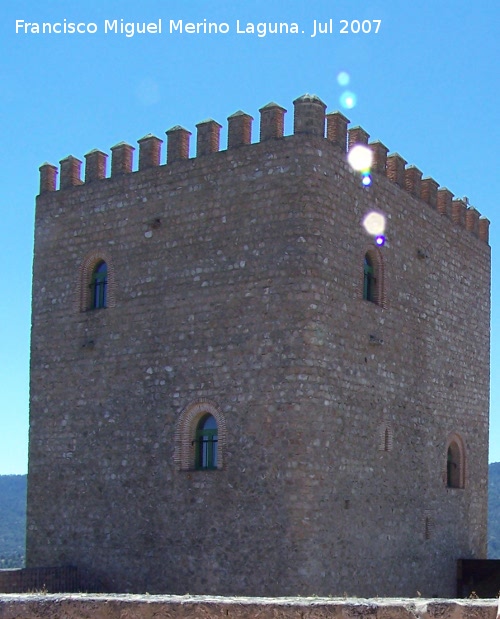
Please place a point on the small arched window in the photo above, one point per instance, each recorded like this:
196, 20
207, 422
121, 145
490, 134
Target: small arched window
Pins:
369, 281
453, 467
200, 437
373, 277
206, 443
455, 463
95, 286
99, 286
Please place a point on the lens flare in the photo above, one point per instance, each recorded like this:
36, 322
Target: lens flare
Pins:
343, 78
380, 240
374, 224
348, 100
367, 179
360, 158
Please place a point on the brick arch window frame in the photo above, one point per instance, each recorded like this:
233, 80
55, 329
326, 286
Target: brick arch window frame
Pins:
185, 434
83, 297
455, 462
377, 292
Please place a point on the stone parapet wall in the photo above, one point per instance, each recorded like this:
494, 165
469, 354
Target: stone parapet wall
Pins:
79, 606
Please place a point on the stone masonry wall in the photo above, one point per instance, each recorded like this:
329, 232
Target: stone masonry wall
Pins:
146, 607
235, 286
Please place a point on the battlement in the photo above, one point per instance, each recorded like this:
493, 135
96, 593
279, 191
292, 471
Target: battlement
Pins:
310, 118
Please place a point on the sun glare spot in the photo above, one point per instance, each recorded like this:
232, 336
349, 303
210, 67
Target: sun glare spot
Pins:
360, 158
343, 78
374, 224
348, 100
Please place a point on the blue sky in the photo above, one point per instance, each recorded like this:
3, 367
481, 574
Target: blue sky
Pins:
427, 85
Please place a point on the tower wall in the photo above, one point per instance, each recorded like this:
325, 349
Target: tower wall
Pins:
235, 285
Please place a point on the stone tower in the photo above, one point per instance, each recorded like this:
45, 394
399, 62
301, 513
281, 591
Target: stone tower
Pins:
234, 390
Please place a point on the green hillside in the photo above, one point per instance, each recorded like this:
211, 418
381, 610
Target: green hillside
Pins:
12, 520
13, 517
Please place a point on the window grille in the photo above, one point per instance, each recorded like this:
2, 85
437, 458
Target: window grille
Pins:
99, 286
206, 443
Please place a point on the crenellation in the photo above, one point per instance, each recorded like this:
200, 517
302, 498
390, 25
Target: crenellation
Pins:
149, 151
70, 172
396, 169
357, 135
309, 120
472, 220
239, 130
336, 129
413, 179
95, 165
122, 155
177, 144
458, 210
48, 177
272, 121
207, 137
379, 151
428, 191
444, 200
309, 115
483, 229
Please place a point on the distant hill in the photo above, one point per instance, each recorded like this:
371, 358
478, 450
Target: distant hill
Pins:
12, 520
494, 511
13, 517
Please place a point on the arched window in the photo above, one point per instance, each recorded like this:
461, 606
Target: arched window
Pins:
373, 276
369, 281
453, 467
200, 437
206, 443
99, 286
95, 286
455, 464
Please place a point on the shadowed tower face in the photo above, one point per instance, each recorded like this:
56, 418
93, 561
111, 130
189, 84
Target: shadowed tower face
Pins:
235, 389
